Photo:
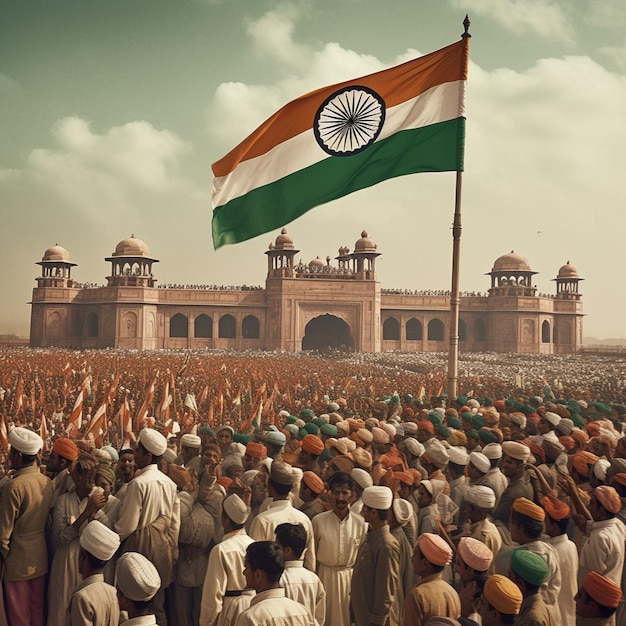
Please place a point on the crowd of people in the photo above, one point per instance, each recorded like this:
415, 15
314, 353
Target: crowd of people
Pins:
252, 488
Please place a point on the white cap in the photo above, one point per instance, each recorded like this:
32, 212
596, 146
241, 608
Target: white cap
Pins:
402, 510
375, 497
362, 477
25, 441
236, 508
190, 441
414, 446
481, 496
552, 418
480, 462
493, 451
136, 577
99, 540
458, 455
153, 441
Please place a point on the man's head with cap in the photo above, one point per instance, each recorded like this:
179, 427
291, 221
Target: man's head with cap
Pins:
430, 555
376, 504
605, 503
236, 510
527, 519
281, 480
528, 571
137, 582
515, 455
501, 600
25, 446
64, 452
472, 557
598, 597
99, 543
151, 447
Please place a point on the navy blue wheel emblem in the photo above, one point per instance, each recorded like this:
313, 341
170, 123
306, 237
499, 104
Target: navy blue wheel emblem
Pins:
349, 120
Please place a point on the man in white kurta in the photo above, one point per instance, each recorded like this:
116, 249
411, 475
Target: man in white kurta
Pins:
281, 510
149, 521
223, 596
338, 535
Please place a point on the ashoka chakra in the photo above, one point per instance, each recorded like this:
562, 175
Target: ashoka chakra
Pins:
349, 121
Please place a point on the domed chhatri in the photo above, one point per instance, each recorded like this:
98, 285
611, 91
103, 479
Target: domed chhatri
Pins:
283, 241
56, 253
132, 247
567, 271
316, 264
365, 244
511, 262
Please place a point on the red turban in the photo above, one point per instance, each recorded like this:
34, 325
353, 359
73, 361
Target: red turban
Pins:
555, 508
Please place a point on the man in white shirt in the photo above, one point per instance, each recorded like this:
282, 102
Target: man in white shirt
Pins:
281, 510
149, 520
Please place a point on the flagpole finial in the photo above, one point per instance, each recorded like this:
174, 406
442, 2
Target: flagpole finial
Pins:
466, 25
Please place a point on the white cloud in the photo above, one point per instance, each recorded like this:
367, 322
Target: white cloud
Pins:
545, 18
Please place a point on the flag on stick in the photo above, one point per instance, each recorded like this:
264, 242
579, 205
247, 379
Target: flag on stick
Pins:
342, 138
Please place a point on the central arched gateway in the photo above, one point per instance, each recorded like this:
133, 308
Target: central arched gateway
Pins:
327, 332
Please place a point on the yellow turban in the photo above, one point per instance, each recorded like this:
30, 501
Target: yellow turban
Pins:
503, 594
530, 509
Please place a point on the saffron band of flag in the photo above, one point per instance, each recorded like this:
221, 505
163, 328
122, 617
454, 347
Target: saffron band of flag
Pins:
282, 169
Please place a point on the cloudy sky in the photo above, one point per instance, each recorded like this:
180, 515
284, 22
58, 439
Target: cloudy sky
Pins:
113, 111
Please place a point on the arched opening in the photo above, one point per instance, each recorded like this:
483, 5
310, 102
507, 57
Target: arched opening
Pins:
327, 332
250, 327
462, 330
77, 325
92, 324
545, 332
179, 326
391, 329
227, 327
203, 327
414, 330
435, 330
480, 331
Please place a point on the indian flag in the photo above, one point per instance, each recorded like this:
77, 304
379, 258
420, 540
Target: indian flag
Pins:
342, 138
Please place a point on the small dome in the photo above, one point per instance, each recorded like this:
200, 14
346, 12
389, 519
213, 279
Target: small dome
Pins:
567, 271
511, 263
56, 253
316, 263
132, 247
283, 241
365, 244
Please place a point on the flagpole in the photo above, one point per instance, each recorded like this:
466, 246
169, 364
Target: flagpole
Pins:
455, 301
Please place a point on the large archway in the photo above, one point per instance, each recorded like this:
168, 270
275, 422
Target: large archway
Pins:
327, 332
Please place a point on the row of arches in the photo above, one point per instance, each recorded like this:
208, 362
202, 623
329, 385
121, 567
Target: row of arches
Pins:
435, 330
203, 327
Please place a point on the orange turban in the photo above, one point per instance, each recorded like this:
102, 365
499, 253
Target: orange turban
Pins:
581, 436
567, 442
313, 482
503, 594
555, 508
608, 498
582, 460
593, 428
404, 477
525, 507
256, 450
312, 444
537, 450
66, 448
434, 548
426, 425
602, 590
